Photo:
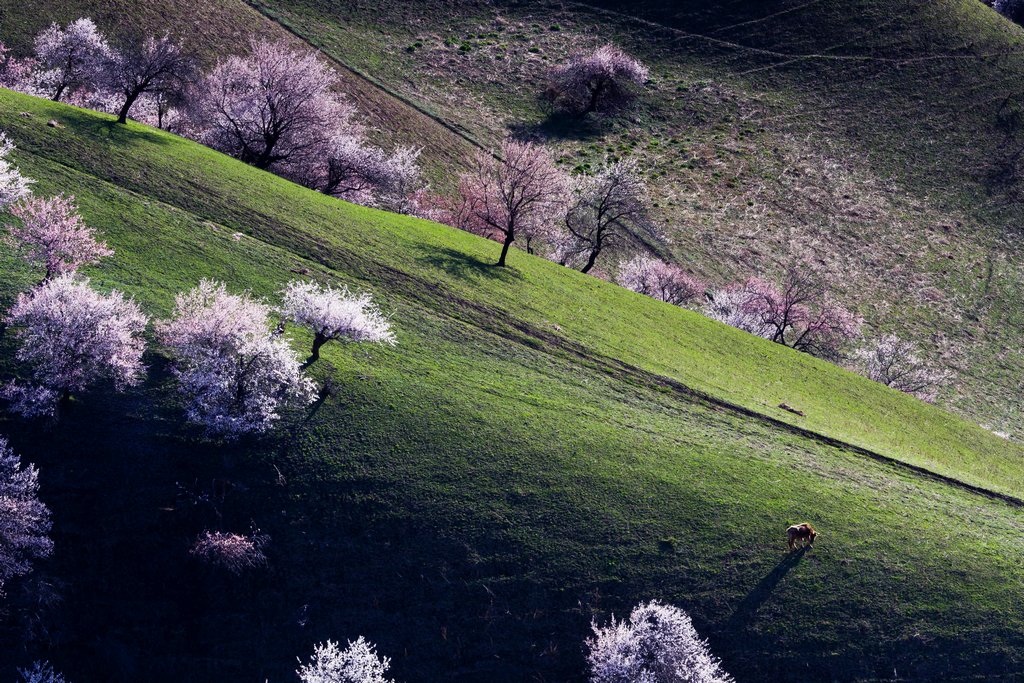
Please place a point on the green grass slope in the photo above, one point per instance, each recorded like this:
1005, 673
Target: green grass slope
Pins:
867, 134
541, 448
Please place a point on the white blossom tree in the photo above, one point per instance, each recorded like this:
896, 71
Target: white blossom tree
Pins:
896, 363
233, 552
24, 520
72, 338
235, 374
274, 108
41, 672
51, 235
604, 80
335, 314
13, 185
71, 58
735, 306
656, 644
358, 663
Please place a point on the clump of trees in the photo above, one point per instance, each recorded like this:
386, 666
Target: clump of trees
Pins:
277, 108
52, 235
335, 314
357, 663
24, 519
603, 81
73, 338
796, 313
235, 373
656, 644
233, 552
659, 280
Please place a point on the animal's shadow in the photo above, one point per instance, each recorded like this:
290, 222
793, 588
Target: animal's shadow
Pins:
763, 590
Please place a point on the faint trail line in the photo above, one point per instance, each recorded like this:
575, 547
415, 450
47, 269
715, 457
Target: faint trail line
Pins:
369, 79
797, 8
789, 56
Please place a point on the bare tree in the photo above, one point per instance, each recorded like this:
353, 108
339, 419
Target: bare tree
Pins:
607, 209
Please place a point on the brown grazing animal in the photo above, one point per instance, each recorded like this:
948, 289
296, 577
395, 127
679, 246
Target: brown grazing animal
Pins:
801, 532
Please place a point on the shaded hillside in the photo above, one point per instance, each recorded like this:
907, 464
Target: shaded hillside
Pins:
540, 448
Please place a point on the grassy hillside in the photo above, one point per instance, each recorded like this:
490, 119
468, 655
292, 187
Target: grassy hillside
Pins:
541, 448
213, 29
869, 135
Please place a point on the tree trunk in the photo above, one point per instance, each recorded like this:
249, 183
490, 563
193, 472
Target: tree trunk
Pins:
122, 116
595, 95
504, 249
318, 341
591, 260
60, 91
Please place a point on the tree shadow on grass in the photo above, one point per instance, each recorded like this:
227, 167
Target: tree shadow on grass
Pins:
464, 266
748, 607
561, 126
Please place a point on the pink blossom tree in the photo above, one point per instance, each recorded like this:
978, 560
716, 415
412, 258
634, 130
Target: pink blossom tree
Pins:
607, 209
157, 66
52, 235
357, 663
236, 375
13, 185
896, 363
800, 314
18, 73
72, 338
335, 314
274, 109
521, 194
604, 80
656, 644
660, 280
233, 552
24, 520
71, 58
